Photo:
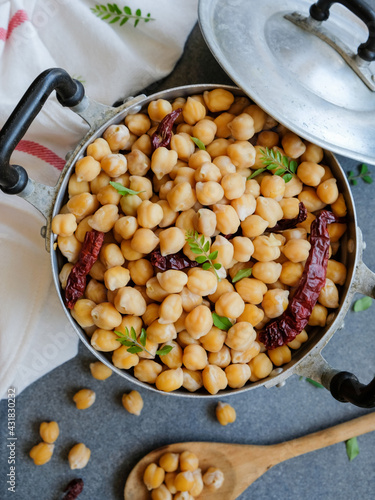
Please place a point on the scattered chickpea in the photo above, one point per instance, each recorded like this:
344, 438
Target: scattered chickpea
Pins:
41, 453
100, 371
49, 431
225, 413
133, 402
213, 478
84, 399
79, 456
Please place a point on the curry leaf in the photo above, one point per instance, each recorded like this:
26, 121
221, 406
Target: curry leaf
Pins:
221, 322
352, 448
362, 304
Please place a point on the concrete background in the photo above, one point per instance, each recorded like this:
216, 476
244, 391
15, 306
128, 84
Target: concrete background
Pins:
118, 440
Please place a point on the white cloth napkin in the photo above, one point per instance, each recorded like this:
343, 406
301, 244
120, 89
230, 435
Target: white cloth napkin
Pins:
113, 58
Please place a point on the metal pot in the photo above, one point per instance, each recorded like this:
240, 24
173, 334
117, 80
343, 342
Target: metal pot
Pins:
307, 361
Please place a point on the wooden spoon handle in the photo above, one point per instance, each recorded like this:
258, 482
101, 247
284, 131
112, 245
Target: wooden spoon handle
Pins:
326, 437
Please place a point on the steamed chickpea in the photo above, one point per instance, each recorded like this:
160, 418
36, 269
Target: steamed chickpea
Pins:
141, 271
243, 248
290, 207
147, 371
98, 149
268, 139
104, 218
272, 186
267, 248
182, 197
111, 255
312, 153
199, 322
117, 137
205, 222
318, 316
253, 225
214, 378
280, 355
260, 366
339, 206
242, 154
207, 171
268, 272
269, 209
246, 355
298, 341
252, 314
275, 302
170, 309
205, 131
138, 162
64, 224
81, 312
310, 173
201, 282
242, 127
230, 304
227, 221
213, 341
251, 290
209, 193
291, 273
158, 109
170, 380
183, 145
86, 169
293, 187
329, 295
158, 332
130, 301
162, 161
218, 99
336, 272
225, 251
293, 145
328, 191
194, 357
237, 374
240, 336
149, 214
296, 250
172, 240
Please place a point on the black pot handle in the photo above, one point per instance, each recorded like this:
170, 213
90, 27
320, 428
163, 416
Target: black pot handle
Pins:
13, 178
320, 12
346, 388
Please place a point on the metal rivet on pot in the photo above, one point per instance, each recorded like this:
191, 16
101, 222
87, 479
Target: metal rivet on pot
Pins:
68, 154
43, 231
275, 372
341, 326
351, 246
281, 384
364, 245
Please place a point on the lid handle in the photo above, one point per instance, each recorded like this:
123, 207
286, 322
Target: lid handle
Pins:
320, 12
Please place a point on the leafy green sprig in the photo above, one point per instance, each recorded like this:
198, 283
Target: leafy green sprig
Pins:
362, 304
200, 247
242, 273
221, 322
113, 14
364, 174
124, 191
198, 143
274, 160
134, 346
352, 448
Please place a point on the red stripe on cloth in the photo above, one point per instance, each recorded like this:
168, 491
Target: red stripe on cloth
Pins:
19, 17
41, 152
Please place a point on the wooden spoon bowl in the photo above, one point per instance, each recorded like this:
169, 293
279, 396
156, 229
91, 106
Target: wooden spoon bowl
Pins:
243, 464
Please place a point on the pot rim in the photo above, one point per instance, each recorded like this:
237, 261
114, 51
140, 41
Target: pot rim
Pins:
307, 351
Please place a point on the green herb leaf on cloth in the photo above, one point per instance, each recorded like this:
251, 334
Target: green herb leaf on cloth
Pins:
112, 13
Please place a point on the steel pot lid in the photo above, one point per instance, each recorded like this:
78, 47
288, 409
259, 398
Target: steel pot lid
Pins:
295, 76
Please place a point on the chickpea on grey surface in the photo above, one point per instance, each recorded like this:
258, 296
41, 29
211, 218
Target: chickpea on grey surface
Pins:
180, 191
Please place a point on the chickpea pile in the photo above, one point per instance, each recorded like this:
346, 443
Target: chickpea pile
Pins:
177, 476
180, 189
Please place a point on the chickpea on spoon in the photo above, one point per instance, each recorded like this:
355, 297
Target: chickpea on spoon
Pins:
241, 464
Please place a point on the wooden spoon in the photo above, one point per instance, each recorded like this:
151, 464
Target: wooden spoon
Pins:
243, 464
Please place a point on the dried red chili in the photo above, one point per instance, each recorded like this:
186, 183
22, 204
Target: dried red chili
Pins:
287, 326
289, 223
73, 489
174, 261
163, 134
76, 282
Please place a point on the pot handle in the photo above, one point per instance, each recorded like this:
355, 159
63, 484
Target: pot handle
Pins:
14, 178
320, 12
344, 386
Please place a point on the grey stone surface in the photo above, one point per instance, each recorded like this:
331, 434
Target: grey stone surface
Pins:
118, 440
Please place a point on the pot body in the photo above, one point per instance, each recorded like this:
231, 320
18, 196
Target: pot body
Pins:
306, 361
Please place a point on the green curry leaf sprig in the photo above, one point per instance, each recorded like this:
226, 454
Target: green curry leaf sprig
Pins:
274, 160
136, 345
201, 247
